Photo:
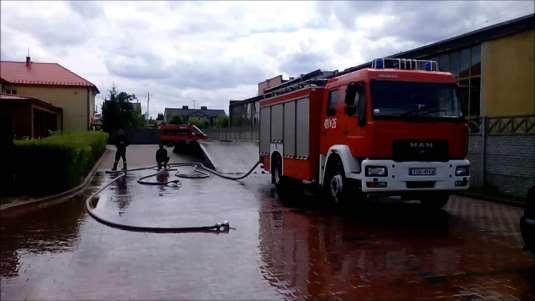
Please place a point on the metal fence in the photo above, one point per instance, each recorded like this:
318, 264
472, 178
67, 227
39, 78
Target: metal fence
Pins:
509, 125
502, 153
233, 134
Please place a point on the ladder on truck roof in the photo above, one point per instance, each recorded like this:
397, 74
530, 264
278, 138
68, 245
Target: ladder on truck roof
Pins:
312, 83
315, 78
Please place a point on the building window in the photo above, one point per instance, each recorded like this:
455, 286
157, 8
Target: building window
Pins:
465, 64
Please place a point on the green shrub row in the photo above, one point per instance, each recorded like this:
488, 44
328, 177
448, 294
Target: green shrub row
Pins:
56, 163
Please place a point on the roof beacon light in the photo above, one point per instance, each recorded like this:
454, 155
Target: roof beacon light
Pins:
404, 64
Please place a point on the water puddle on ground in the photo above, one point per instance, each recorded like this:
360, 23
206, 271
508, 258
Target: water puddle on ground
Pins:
278, 249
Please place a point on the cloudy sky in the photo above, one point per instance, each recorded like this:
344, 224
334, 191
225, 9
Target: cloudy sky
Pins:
210, 52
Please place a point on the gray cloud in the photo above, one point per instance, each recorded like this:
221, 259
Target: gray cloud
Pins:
64, 31
211, 74
215, 75
421, 22
303, 62
86, 9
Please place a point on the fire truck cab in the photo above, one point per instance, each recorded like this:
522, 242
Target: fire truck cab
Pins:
396, 128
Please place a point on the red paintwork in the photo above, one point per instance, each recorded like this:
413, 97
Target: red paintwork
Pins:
183, 133
45, 74
375, 139
301, 169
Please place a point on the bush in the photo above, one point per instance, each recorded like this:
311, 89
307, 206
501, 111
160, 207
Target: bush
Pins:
56, 163
199, 122
222, 121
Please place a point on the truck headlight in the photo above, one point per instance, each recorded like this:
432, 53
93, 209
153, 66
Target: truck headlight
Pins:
376, 171
461, 171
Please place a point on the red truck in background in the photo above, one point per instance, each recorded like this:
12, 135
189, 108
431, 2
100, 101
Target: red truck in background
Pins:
396, 128
177, 134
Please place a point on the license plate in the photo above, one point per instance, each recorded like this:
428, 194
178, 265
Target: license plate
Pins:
422, 171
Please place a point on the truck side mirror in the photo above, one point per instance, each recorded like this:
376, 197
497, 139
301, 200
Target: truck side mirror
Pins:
361, 104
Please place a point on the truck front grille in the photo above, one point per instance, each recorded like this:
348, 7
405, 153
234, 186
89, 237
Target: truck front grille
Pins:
420, 150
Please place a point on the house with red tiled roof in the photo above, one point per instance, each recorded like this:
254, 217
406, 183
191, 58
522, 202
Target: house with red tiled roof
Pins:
53, 84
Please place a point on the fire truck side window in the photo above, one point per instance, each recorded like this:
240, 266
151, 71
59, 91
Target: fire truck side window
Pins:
351, 99
331, 105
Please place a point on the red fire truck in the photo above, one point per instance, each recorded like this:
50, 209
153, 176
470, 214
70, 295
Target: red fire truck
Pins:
176, 134
396, 129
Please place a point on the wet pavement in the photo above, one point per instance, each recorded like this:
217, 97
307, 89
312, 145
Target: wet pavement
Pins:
278, 249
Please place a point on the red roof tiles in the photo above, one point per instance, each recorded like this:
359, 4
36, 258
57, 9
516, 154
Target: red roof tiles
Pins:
48, 74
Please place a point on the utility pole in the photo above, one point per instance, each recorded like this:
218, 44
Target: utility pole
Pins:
148, 102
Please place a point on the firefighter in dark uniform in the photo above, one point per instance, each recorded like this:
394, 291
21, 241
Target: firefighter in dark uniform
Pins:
121, 142
161, 157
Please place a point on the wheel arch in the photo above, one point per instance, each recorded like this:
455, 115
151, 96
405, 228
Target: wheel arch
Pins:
343, 153
275, 155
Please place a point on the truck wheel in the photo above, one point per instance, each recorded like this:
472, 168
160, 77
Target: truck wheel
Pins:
335, 184
435, 201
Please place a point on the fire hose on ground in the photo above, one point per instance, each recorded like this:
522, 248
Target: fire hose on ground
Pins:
199, 171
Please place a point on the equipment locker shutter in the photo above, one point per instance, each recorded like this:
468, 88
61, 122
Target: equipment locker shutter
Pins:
289, 128
302, 127
276, 123
265, 126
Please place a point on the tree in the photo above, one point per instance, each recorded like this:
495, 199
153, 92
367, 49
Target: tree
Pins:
222, 121
176, 120
199, 122
118, 112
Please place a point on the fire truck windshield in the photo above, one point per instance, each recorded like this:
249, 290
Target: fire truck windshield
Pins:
414, 100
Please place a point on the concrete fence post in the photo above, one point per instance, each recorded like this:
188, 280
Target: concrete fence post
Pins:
483, 129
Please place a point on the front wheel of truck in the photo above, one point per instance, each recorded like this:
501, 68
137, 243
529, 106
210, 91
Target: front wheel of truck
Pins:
335, 184
434, 201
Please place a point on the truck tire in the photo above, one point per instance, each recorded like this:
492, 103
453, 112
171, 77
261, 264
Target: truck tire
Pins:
335, 184
434, 201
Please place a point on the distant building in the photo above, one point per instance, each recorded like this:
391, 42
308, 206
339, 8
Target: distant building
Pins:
270, 83
185, 113
53, 84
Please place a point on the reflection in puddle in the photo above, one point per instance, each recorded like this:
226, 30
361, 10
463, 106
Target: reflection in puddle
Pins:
41, 231
121, 196
358, 252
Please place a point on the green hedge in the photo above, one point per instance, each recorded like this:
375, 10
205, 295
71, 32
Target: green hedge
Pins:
56, 163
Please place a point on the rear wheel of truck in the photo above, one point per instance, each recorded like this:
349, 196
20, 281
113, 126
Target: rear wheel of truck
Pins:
434, 201
335, 184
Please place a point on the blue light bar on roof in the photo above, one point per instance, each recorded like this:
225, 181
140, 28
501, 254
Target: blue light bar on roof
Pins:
404, 64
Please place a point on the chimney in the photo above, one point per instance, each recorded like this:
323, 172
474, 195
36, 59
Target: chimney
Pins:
184, 107
204, 108
28, 61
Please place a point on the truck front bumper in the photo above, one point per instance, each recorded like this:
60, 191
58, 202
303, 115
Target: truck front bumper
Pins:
414, 176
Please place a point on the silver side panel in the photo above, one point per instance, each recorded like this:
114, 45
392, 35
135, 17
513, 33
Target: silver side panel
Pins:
276, 123
265, 127
289, 128
302, 127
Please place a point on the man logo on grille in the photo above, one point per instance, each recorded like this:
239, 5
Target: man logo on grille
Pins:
421, 145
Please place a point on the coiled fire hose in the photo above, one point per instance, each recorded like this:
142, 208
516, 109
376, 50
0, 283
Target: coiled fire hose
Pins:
200, 171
